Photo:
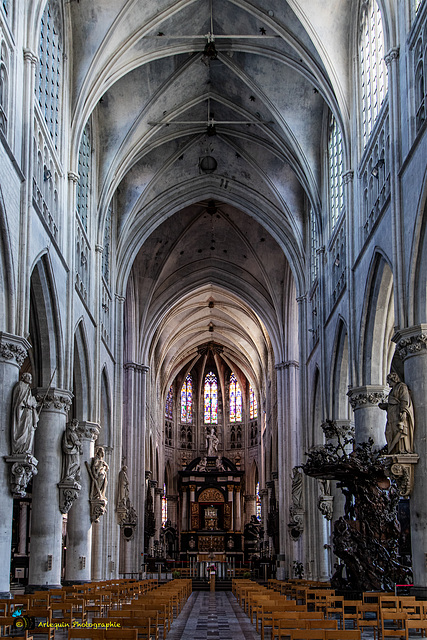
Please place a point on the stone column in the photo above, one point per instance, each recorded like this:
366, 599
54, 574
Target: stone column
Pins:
184, 510
238, 510
369, 420
192, 492
158, 494
13, 351
172, 509
79, 526
412, 348
264, 512
230, 489
46, 522
250, 506
23, 525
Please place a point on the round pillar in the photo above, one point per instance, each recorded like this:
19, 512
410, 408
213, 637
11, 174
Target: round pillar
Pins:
13, 351
79, 526
46, 521
369, 421
184, 511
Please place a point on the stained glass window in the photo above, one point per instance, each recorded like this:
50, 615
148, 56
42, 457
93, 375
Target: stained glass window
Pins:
164, 506
373, 70
187, 400
336, 188
211, 399
235, 400
169, 404
258, 503
253, 406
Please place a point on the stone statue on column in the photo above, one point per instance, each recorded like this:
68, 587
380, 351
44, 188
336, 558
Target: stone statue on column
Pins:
23, 426
69, 486
212, 442
296, 511
126, 514
98, 474
399, 431
123, 492
24, 416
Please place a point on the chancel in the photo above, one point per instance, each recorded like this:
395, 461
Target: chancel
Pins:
213, 291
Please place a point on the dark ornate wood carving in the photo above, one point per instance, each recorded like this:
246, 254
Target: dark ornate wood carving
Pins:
195, 516
366, 537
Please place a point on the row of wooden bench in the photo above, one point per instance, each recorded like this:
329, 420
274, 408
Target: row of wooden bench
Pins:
311, 606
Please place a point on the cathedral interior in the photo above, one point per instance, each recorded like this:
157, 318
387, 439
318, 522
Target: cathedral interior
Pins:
213, 247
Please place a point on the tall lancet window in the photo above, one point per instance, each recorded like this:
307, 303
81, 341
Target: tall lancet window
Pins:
253, 404
169, 404
235, 400
164, 506
373, 70
336, 188
187, 400
258, 503
83, 187
50, 68
211, 399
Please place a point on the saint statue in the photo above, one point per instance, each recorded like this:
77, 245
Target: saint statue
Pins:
71, 452
296, 488
24, 416
399, 430
212, 442
99, 470
123, 494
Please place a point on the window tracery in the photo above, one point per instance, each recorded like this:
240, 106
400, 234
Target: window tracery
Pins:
314, 245
373, 70
258, 503
235, 400
211, 399
4, 85
253, 404
83, 186
164, 506
50, 69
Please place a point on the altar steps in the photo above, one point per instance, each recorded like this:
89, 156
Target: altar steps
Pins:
221, 584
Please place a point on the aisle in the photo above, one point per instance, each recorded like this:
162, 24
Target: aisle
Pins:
212, 616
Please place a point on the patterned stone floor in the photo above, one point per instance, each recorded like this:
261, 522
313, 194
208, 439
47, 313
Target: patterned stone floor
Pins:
212, 616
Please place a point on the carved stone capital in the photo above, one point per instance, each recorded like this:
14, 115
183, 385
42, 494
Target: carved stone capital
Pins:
368, 396
68, 493
411, 341
88, 431
99, 248
348, 176
393, 54
54, 400
73, 177
134, 366
153, 484
158, 491
30, 56
24, 467
263, 493
296, 524
98, 507
325, 504
13, 348
287, 365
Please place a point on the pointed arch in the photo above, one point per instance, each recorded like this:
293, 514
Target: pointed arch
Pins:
7, 284
340, 374
417, 313
45, 326
377, 327
106, 410
81, 374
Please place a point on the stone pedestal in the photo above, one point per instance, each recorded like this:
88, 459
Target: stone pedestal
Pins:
13, 351
79, 527
369, 420
46, 522
412, 348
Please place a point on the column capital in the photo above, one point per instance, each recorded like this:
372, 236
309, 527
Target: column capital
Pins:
230, 487
366, 396
286, 365
263, 493
73, 177
54, 400
393, 54
99, 248
158, 491
249, 498
171, 498
348, 176
30, 56
88, 430
13, 348
120, 298
411, 341
134, 366
153, 484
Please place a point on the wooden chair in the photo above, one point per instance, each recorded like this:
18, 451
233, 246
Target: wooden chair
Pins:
350, 611
393, 624
343, 634
83, 634
307, 634
321, 624
121, 634
368, 616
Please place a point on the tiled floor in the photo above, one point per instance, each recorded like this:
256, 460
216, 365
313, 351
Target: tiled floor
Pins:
212, 616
